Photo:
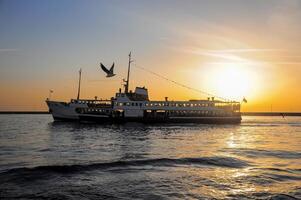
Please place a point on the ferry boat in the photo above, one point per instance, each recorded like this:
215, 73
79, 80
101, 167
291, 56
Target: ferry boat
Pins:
136, 106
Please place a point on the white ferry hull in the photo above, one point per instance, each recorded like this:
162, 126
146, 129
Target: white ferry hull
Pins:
199, 120
61, 111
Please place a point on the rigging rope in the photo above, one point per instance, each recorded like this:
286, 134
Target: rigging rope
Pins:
180, 84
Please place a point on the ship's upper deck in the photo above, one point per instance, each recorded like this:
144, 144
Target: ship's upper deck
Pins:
140, 100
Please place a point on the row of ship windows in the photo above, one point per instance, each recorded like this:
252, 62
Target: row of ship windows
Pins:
82, 102
87, 102
198, 112
165, 104
85, 110
128, 104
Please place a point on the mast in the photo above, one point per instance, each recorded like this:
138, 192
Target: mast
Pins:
128, 78
79, 79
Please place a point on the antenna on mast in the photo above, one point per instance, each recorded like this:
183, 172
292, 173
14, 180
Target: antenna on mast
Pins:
79, 79
128, 77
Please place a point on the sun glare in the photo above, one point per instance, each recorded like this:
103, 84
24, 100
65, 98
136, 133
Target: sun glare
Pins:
231, 81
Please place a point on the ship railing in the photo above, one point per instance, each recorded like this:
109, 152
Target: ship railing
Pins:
193, 113
164, 104
179, 105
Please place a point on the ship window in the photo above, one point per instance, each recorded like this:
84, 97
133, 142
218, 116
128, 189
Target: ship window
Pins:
140, 104
136, 104
133, 104
122, 95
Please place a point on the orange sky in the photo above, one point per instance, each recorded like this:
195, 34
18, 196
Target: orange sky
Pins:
253, 52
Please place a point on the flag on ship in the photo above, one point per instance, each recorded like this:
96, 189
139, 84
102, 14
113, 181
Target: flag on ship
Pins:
244, 100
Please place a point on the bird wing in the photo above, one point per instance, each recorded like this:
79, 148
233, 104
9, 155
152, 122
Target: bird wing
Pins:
112, 68
104, 68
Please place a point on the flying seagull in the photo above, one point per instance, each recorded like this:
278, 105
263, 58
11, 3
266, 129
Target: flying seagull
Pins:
110, 72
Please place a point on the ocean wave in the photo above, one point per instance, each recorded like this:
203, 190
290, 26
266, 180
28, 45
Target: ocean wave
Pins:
264, 195
266, 153
228, 162
287, 170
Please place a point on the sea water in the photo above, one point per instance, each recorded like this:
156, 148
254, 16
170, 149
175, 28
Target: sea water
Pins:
257, 159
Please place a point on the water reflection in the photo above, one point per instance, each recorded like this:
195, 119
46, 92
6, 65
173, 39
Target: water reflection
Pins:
258, 159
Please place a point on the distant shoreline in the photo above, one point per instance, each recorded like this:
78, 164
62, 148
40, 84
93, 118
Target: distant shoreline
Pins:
24, 112
271, 113
243, 113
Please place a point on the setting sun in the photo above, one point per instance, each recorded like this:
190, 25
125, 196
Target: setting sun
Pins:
232, 81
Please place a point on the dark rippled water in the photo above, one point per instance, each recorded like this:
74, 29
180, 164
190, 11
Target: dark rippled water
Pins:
258, 159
